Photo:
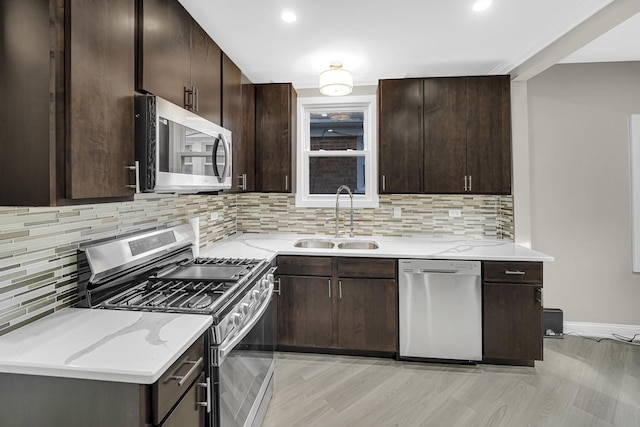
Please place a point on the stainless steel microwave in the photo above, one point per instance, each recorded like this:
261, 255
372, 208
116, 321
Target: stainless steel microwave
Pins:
178, 151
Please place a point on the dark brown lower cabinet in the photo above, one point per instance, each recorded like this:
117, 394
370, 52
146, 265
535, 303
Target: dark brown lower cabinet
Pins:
34, 400
512, 321
305, 313
367, 309
353, 306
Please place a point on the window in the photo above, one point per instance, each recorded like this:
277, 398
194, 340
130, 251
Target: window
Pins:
336, 146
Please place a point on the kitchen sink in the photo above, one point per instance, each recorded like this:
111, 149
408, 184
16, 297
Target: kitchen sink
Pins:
358, 244
314, 243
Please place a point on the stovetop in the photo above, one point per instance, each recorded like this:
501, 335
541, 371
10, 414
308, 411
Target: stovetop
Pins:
198, 286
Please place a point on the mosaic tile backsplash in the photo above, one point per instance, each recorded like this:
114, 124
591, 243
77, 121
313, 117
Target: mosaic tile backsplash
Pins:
482, 216
38, 245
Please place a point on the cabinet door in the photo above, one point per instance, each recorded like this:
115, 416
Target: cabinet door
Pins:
489, 134
305, 312
512, 321
445, 135
275, 135
206, 74
165, 49
400, 136
232, 115
99, 138
367, 314
246, 158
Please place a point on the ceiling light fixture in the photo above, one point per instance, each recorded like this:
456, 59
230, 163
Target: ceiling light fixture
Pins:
288, 16
481, 5
336, 81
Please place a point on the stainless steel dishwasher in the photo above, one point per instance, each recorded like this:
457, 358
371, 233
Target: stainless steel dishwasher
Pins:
440, 309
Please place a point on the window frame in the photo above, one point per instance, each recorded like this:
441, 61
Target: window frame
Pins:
307, 105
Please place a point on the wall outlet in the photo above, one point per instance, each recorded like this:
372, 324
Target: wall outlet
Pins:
214, 216
455, 213
397, 212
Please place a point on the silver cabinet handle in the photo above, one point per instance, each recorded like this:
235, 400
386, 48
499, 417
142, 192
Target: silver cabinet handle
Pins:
196, 96
286, 182
243, 181
539, 295
514, 272
188, 98
329, 288
470, 183
207, 386
384, 183
340, 288
465, 183
279, 282
194, 368
136, 169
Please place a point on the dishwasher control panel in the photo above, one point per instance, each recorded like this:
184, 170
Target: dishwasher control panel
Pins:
439, 266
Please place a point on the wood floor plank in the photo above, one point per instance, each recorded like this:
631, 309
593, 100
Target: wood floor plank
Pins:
580, 383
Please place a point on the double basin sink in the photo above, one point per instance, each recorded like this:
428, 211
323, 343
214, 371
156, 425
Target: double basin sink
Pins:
330, 244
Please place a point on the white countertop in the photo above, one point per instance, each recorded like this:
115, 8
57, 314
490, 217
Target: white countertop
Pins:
269, 245
109, 345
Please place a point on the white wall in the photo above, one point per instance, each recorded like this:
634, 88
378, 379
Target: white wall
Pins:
580, 203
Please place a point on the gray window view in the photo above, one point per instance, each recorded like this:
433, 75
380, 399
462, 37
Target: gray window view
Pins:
342, 132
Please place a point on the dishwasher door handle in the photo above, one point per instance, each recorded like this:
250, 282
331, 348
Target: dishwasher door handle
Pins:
439, 271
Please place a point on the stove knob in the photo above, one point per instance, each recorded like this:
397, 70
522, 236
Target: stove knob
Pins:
244, 308
255, 294
264, 284
235, 319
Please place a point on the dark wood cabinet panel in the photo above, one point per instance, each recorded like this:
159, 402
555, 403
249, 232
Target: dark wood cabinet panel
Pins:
189, 412
305, 312
275, 137
67, 85
489, 134
100, 81
375, 268
176, 56
400, 149
445, 134
356, 313
246, 159
232, 119
305, 265
368, 314
512, 272
512, 321
205, 73
27, 145
164, 62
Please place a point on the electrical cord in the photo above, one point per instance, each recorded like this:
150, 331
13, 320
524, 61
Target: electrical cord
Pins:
616, 338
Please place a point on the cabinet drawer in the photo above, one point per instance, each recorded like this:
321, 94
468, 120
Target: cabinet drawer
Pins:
374, 268
304, 265
166, 392
188, 412
512, 272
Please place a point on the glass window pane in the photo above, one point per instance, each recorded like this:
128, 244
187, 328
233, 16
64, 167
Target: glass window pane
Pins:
336, 130
326, 174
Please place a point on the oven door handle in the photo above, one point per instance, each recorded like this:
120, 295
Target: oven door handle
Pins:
227, 346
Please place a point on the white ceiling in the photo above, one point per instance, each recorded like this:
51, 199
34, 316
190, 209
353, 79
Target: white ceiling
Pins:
403, 38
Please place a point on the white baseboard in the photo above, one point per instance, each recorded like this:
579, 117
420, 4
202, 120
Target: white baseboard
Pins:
600, 330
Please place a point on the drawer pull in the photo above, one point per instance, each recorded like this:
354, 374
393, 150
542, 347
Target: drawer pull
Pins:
193, 369
514, 272
207, 386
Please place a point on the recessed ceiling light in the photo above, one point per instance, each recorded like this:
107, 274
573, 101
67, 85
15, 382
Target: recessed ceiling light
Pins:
288, 15
481, 5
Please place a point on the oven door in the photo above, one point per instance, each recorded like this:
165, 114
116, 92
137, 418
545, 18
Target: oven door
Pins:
243, 377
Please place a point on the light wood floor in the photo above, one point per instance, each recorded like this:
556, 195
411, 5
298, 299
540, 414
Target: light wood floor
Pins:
580, 383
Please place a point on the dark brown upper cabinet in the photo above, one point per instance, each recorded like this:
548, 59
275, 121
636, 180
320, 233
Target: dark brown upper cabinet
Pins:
246, 151
448, 135
232, 119
400, 136
67, 83
177, 60
275, 137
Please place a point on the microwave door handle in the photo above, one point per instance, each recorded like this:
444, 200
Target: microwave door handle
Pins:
227, 157
214, 159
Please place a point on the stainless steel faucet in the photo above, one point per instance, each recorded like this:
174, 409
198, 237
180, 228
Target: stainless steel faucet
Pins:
344, 187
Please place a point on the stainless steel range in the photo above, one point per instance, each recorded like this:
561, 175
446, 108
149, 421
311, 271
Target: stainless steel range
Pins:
156, 271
